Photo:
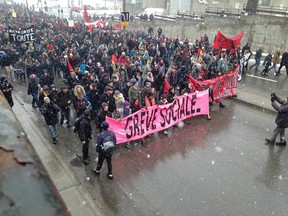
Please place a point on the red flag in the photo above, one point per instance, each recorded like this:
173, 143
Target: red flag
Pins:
86, 15
166, 86
222, 42
69, 67
118, 26
87, 19
100, 23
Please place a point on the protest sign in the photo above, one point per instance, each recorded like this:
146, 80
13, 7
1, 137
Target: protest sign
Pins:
21, 35
157, 118
223, 86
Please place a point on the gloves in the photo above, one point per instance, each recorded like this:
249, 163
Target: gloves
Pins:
273, 99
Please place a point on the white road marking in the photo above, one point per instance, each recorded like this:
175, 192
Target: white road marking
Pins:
257, 77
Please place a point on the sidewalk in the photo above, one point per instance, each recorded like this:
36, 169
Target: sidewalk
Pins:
77, 199
254, 97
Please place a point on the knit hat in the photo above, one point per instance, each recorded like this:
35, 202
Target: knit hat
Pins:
46, 100
126, 103
148, 84
116, 92
133, 81
107, 88
104, 105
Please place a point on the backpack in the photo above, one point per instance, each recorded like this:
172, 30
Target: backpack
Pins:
77, 124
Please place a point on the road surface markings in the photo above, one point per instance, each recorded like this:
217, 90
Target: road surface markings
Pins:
257, 77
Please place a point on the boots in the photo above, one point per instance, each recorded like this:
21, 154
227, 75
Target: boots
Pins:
281, 143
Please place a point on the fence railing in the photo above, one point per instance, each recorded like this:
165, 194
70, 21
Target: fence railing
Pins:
223, 12
194, 15
268, 10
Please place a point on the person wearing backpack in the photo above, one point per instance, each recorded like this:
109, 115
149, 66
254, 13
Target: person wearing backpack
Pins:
84, 130
106, 143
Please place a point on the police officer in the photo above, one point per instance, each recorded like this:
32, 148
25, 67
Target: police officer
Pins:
106, 143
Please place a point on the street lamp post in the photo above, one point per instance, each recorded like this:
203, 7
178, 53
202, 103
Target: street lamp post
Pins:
124, 27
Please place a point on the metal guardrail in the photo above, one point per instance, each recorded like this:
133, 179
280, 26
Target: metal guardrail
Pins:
194, 16
170, 18
223, 12
25, 186
269, 10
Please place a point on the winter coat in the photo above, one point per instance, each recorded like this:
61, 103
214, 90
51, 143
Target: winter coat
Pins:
85, 129
94, 96
119, 100
32, 87
134, 93
149, 102
106, 142
64, 99
282, 117
276, 57
46, 80
101, 116
53, 95
258, 54
284, 59
105, 98
50, 113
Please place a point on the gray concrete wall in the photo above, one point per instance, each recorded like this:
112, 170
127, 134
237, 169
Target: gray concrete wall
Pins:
269, 32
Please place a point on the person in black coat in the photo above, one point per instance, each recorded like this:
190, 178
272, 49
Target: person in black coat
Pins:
101, 116
281, 120
171, 95
33, 89
85, 134
93, 96
53, 93
106, 143
50, 112
45, 79
107, 97
284, 62
64, 100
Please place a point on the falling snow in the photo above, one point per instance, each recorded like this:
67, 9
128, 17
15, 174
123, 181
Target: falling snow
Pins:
218, 149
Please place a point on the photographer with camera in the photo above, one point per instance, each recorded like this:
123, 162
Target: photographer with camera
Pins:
281, 120
6, 87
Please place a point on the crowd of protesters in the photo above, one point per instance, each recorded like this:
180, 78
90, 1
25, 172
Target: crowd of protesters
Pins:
94, 70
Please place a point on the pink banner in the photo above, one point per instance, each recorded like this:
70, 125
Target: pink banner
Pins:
157, 118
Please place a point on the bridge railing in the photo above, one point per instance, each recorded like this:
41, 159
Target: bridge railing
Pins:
269, 10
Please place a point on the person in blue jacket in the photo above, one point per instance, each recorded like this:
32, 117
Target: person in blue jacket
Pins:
106, 143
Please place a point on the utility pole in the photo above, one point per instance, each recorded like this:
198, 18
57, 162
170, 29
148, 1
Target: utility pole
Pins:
124, 27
